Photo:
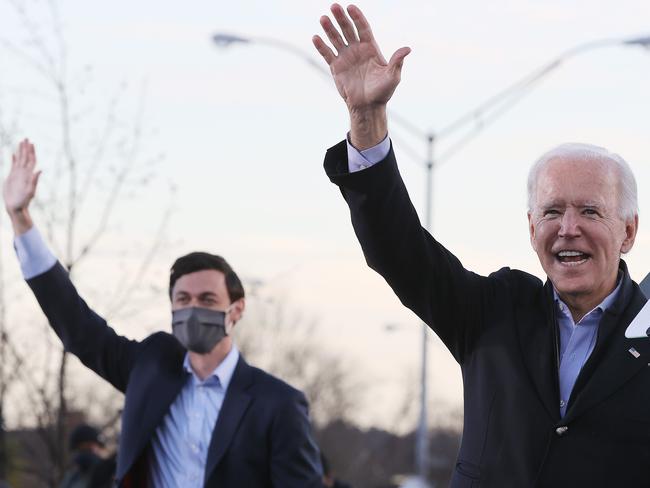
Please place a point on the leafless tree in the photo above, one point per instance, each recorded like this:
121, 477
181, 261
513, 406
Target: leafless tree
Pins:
287, 345
92, 173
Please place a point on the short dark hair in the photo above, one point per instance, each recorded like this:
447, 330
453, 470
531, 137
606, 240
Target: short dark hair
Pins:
199, 261
84, 434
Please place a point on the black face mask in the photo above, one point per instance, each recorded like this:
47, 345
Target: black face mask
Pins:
199, 329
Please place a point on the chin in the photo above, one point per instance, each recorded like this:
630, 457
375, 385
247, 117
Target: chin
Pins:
567, 287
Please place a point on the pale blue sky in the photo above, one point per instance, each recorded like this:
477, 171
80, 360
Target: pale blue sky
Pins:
244, 131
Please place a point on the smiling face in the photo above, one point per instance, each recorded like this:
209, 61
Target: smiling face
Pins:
577, 231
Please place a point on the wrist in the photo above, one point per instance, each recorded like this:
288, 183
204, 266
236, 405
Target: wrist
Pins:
21, 221
368, 126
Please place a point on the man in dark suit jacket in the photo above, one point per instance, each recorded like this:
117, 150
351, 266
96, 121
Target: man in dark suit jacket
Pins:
195, 413
555, 394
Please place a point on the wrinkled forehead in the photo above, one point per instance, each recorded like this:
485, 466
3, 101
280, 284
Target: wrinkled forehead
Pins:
585, 180
586, 165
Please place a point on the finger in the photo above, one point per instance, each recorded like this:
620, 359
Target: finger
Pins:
346, 26
13, 160
34, 181
360, 22
397, 60
31, 155
24, 152
323, 49
332, 34
21, 152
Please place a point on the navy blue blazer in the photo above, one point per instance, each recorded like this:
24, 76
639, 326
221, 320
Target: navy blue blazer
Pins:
503, 332
262, 438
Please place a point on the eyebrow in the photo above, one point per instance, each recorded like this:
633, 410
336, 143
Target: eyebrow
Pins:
207, 294
203, 294
558, 203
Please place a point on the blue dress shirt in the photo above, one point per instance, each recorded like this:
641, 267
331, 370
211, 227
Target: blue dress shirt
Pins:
180, 444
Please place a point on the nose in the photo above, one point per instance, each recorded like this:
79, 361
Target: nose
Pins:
570, 224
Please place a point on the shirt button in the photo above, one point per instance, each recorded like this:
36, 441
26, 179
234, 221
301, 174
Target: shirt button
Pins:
560, 431
562, 403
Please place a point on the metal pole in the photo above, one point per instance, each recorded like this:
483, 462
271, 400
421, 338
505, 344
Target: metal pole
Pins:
422, 438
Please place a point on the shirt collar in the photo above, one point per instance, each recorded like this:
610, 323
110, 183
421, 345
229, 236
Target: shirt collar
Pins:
602, 306
222, 373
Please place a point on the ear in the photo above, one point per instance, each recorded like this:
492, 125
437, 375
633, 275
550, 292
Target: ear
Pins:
531, 231
631, 228
237, 310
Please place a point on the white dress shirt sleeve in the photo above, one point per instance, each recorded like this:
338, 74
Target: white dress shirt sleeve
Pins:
358, 160
34, 256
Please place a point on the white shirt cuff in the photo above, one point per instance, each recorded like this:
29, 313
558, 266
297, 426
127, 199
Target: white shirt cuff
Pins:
358, 160
34, 256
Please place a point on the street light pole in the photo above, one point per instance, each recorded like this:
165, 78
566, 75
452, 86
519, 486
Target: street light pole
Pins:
480, 116
422, 437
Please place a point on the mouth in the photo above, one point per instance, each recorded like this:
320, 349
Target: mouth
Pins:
572, 258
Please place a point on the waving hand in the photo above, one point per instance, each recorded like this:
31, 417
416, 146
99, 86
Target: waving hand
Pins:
20, 186
361, 74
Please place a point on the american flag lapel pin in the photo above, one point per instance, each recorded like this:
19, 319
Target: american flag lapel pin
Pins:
634, 352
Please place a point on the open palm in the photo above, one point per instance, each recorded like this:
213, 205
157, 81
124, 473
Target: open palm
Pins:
360, 71
20, 184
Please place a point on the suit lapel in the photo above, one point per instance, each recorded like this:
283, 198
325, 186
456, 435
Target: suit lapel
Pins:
615, 358
235, 405
537, 336
166, 382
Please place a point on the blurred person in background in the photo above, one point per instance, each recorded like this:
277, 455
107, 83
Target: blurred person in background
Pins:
555, 394
195, 413
90, 466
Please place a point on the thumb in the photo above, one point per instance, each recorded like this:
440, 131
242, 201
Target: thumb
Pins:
397, 59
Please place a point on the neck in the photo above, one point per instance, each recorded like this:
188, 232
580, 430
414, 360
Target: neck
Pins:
579, 310
204, 364
580, 305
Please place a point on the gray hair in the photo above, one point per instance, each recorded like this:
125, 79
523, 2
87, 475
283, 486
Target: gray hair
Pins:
628, 206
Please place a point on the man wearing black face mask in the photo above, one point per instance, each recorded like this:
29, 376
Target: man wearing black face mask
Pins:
195, 414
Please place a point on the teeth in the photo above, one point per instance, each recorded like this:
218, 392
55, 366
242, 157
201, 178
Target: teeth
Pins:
569, 253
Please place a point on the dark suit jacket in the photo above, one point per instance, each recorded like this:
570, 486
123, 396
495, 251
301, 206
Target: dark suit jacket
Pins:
262, 437
502, 331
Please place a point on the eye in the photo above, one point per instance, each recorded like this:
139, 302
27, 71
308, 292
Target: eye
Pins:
550, 212
590, 212
209, 301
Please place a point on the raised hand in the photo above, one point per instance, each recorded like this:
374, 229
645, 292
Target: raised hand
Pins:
20, 186
362, 76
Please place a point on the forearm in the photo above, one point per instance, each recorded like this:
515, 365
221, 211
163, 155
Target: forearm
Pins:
82, 332
426, 277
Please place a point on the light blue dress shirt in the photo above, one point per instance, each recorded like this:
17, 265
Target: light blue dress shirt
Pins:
577, 341
180, 444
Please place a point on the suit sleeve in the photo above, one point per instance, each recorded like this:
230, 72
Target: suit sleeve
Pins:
295, 458
83, 333
425, 276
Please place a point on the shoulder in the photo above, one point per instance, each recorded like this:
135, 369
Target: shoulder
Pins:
162, 344
160, 338
271, 388
522, 286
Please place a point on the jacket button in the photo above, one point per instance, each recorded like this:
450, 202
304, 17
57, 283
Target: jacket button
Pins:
560, 431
